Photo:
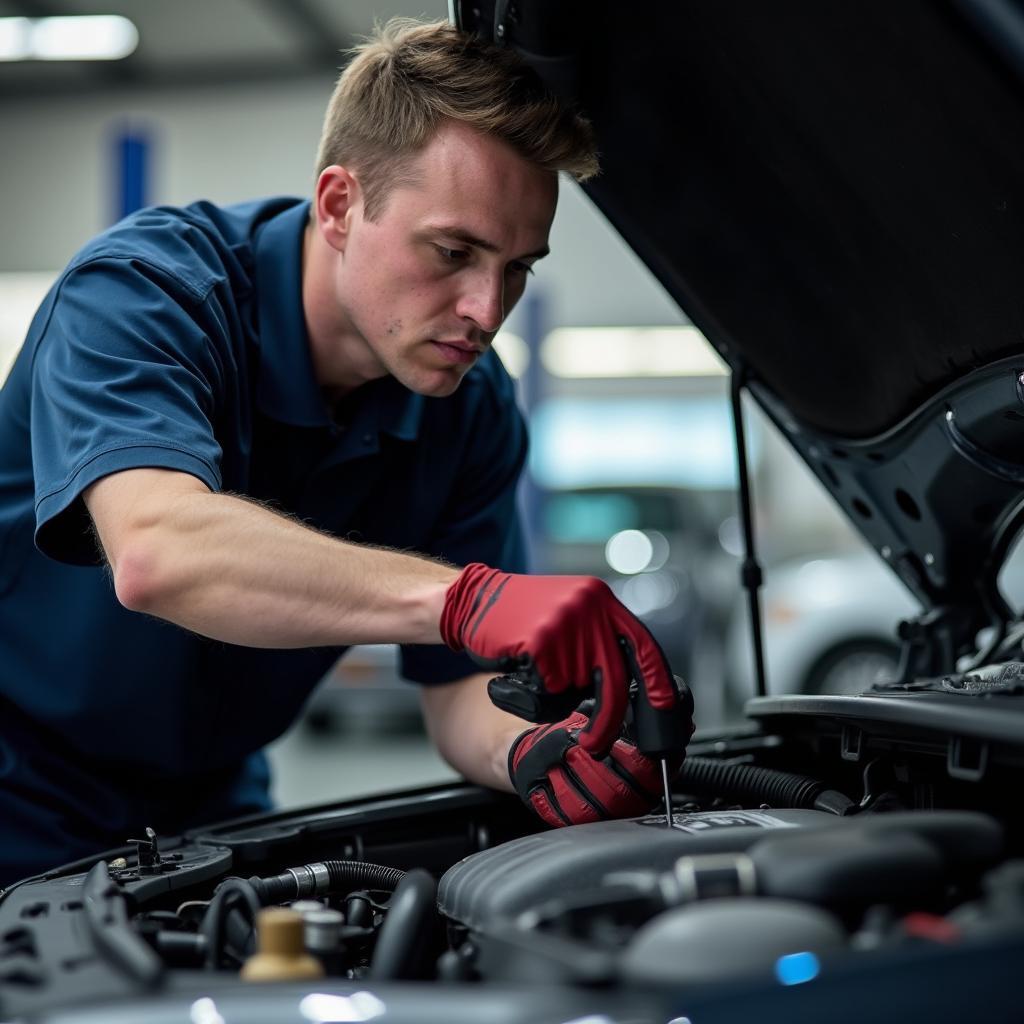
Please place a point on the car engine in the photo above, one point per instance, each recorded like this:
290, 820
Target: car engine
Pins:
901, 846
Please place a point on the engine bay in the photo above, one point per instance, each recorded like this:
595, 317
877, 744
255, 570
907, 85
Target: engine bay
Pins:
894, 843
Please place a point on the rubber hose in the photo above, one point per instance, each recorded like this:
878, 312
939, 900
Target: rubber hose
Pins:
404, 937
343, 875
358, 874
222, 915
762, 785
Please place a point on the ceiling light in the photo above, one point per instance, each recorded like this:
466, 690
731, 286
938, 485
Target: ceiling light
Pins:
14, 38
90, 37
630, 352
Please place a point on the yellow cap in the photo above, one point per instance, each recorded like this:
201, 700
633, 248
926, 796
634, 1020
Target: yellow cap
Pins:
281, 953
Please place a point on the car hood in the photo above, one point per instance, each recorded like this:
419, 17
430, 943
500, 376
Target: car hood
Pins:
834, 193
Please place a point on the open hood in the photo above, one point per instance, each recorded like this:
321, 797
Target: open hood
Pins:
834, 193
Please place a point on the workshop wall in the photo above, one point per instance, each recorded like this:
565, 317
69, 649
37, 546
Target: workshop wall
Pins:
58, 178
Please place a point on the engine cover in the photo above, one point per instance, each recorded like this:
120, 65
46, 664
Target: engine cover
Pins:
518, 876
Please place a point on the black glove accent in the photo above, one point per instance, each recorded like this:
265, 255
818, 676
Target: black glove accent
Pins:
532, 770
524, 698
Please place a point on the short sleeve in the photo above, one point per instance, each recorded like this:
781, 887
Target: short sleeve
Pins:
481, 523
125, 375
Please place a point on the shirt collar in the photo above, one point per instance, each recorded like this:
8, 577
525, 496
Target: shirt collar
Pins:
288, 388
399, 410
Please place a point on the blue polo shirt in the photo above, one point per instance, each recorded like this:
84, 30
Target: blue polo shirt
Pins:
177, 340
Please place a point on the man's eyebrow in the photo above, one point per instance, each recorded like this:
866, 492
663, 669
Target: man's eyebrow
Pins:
464, 236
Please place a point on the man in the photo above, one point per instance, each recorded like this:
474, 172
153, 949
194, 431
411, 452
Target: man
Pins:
253, 415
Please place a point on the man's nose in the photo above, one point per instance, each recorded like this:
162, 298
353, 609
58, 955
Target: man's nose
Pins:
483, 302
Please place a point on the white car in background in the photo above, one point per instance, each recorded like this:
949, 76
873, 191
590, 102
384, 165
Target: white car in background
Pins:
830, 625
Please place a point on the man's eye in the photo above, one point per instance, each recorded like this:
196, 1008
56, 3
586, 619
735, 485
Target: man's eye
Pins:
520, 268
450, 255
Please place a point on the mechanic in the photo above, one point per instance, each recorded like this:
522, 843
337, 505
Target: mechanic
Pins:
238, 440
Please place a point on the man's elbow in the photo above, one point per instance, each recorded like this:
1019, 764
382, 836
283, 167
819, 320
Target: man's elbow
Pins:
138, 581
133, 517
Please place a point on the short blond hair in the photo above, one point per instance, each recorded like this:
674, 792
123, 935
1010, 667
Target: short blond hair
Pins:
410, 76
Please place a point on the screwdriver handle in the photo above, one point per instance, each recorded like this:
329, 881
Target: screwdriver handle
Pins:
658, 732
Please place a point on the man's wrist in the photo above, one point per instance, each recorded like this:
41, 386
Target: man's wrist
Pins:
426, 603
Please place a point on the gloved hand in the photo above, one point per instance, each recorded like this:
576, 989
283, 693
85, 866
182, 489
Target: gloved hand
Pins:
566, 786
555, 637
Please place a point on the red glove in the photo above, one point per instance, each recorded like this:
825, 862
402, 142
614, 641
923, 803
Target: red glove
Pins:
557, 638
566, 786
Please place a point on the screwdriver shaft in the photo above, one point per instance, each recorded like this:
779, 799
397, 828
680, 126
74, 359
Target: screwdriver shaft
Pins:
668, 793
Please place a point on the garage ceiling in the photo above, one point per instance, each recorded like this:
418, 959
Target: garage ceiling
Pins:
201, 43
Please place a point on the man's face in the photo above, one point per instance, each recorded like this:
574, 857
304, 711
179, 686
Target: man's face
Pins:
424, 288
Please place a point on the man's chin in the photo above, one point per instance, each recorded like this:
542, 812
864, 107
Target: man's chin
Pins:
433, 383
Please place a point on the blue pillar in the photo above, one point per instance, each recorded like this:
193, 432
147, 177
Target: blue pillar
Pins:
533, 388
131, 172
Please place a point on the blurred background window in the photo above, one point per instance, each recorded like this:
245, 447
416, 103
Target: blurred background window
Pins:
680, 442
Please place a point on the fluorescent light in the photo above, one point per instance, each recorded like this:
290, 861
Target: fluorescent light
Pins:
89, 37
513, 352
583, 442
96, 37
629, 352
15, 36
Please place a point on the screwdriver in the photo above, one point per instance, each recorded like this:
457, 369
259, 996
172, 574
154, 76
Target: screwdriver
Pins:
668, 793
658, 733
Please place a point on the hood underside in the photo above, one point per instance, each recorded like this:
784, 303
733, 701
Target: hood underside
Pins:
834, 193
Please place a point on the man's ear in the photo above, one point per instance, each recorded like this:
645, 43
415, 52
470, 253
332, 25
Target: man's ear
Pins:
337, 195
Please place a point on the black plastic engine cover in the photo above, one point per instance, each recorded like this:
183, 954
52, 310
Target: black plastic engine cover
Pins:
517, 876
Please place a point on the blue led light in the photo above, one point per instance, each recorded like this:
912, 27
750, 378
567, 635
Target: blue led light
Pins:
796, 968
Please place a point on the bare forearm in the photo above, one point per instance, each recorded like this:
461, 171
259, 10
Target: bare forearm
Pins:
232, 570
472, 734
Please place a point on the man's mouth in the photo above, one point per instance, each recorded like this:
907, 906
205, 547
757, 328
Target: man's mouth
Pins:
456, 351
